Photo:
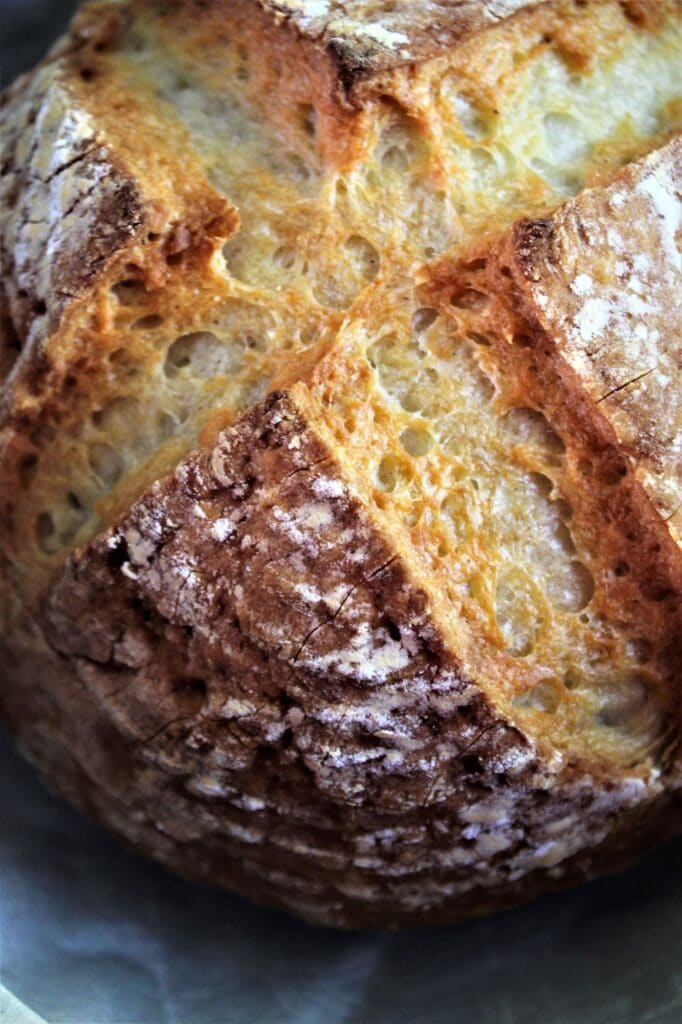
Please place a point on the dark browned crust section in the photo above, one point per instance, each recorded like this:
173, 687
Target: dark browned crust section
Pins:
105, 200
250, 689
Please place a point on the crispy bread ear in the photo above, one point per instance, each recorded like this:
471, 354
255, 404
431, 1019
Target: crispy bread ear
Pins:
602, 277
82, 200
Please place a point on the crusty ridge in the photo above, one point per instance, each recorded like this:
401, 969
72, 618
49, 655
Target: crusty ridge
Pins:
66, 208
78, 199
585, 318
603, 279
590, 261
368, 39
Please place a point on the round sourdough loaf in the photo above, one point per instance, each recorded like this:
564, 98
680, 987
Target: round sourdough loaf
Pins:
341, 442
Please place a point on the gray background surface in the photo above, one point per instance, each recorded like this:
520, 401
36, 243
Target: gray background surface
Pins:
27, 29
90, 934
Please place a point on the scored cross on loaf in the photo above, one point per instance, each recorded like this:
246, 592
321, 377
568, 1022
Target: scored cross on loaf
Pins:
341, 448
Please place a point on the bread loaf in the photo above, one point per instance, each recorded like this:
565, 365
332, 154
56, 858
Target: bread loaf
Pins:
341, 451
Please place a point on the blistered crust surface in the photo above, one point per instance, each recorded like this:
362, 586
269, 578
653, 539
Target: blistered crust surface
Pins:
605, 279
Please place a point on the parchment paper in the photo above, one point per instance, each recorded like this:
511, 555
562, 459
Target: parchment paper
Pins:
90, 934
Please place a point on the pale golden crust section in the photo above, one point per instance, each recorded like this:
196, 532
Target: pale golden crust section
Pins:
603, 278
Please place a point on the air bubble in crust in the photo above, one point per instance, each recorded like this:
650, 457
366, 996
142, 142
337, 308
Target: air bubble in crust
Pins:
284, 257
148, 323
565, 137
545, 696
622, 702
116, 415
572, 679
399, 148
166, 426
130, 292
639, 650
416, 441
562, 539
357, 264
362, 256
455, 510
471, 118
391, 475
105, 462
524, 340
122, 359
470, 298
308, 119
517, 612
540, 484
420, 395
28, 467
570, 589
423, 318
479, 339
531, 427
203, 355
45, 534
612, 470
